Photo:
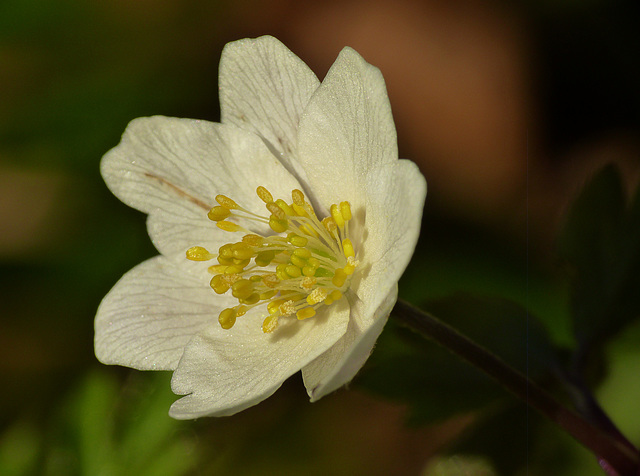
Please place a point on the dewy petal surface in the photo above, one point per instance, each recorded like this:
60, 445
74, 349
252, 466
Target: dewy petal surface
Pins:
151, 314
346, 130
264, 89
173, 168
225, 372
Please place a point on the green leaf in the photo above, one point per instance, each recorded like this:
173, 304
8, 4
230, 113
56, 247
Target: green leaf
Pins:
600, 243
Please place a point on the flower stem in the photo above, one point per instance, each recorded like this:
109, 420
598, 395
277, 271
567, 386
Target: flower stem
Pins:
610, 453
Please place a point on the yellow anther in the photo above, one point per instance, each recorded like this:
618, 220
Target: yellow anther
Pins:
347, 246
198, 253
233, 269
285, 207
305, 313
297, 240
303, 253
339, 278
330, 225
270, 323
281, 273
241, 262
270, 280
349, 269
345, 210
267, 295
308, 282
227, 318
228, 226
226, 251
242, 251
256, 278
241, 310
277, 225
217, 268
276, 211
227, 202
219, 284
231, 278
287, 308
225, 261
313, 262
337, 215
264, 258
252, 299
309, 270
253, 240
298, 197
299, 262
293, 271
300, 211
264, 194
218, 213
242, 289
316, 296
274, 306
333, 297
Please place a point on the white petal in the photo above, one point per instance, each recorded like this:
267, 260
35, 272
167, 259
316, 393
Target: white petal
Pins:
173, 168
264, 88
151, 314
395, 200
341, 362
346, 130
224, 372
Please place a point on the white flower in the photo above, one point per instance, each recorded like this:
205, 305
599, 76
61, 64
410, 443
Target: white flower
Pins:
322, 291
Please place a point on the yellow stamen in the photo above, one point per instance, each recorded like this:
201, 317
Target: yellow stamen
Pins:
264, 194
305, 313
227, 202
297, 240
306, 263
218, 213
339, 278
316, 296
285, 207
227, 318
219, 284
345, 210
270, 323
198, 253
298, 197
337, 215
228, 226
347, 247
276, 211
277, 225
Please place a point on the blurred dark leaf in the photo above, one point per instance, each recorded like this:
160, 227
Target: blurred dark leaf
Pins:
437, 384
98, 432
601, 244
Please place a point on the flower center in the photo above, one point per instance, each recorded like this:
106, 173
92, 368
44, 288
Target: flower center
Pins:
307, 264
